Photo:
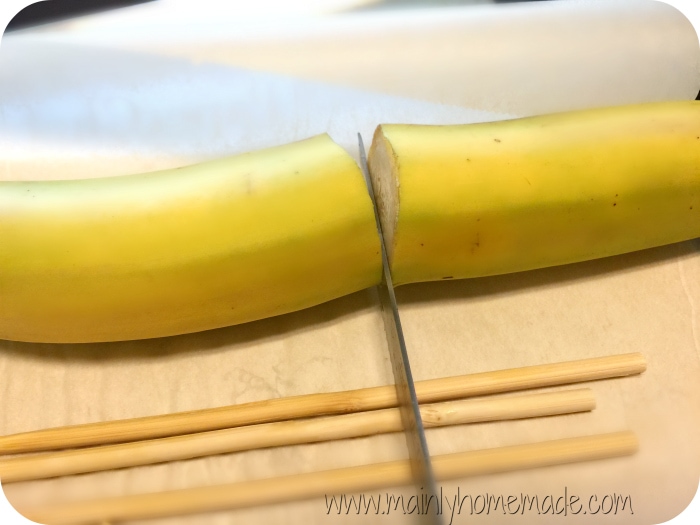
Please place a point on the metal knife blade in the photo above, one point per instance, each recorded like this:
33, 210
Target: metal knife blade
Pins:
403, 378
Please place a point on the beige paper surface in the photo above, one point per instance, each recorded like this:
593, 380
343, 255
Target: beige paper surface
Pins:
91, 110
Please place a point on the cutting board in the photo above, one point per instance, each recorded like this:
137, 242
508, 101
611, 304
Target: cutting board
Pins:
151, 88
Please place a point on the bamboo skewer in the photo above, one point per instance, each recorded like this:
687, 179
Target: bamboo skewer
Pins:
339, 481
63, 463
281, 409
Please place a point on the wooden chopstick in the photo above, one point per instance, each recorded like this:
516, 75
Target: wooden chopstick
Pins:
328, 428
281, 409
340, 481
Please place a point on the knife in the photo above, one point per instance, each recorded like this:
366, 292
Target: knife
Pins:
414, 430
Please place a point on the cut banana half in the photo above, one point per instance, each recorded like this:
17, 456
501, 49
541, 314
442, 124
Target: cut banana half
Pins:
185, 250
493, 198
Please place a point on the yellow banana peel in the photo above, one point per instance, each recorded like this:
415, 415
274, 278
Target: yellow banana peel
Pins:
278, 230
492, 198
184, 250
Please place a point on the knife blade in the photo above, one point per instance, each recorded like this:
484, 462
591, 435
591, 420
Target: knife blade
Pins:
414, 430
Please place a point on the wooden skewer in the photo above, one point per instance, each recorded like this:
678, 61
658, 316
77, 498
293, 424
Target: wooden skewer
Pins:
79, 461
281, 409
347, 480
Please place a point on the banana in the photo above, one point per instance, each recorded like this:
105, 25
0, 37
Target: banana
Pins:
492, 198
183, 250
274, 231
